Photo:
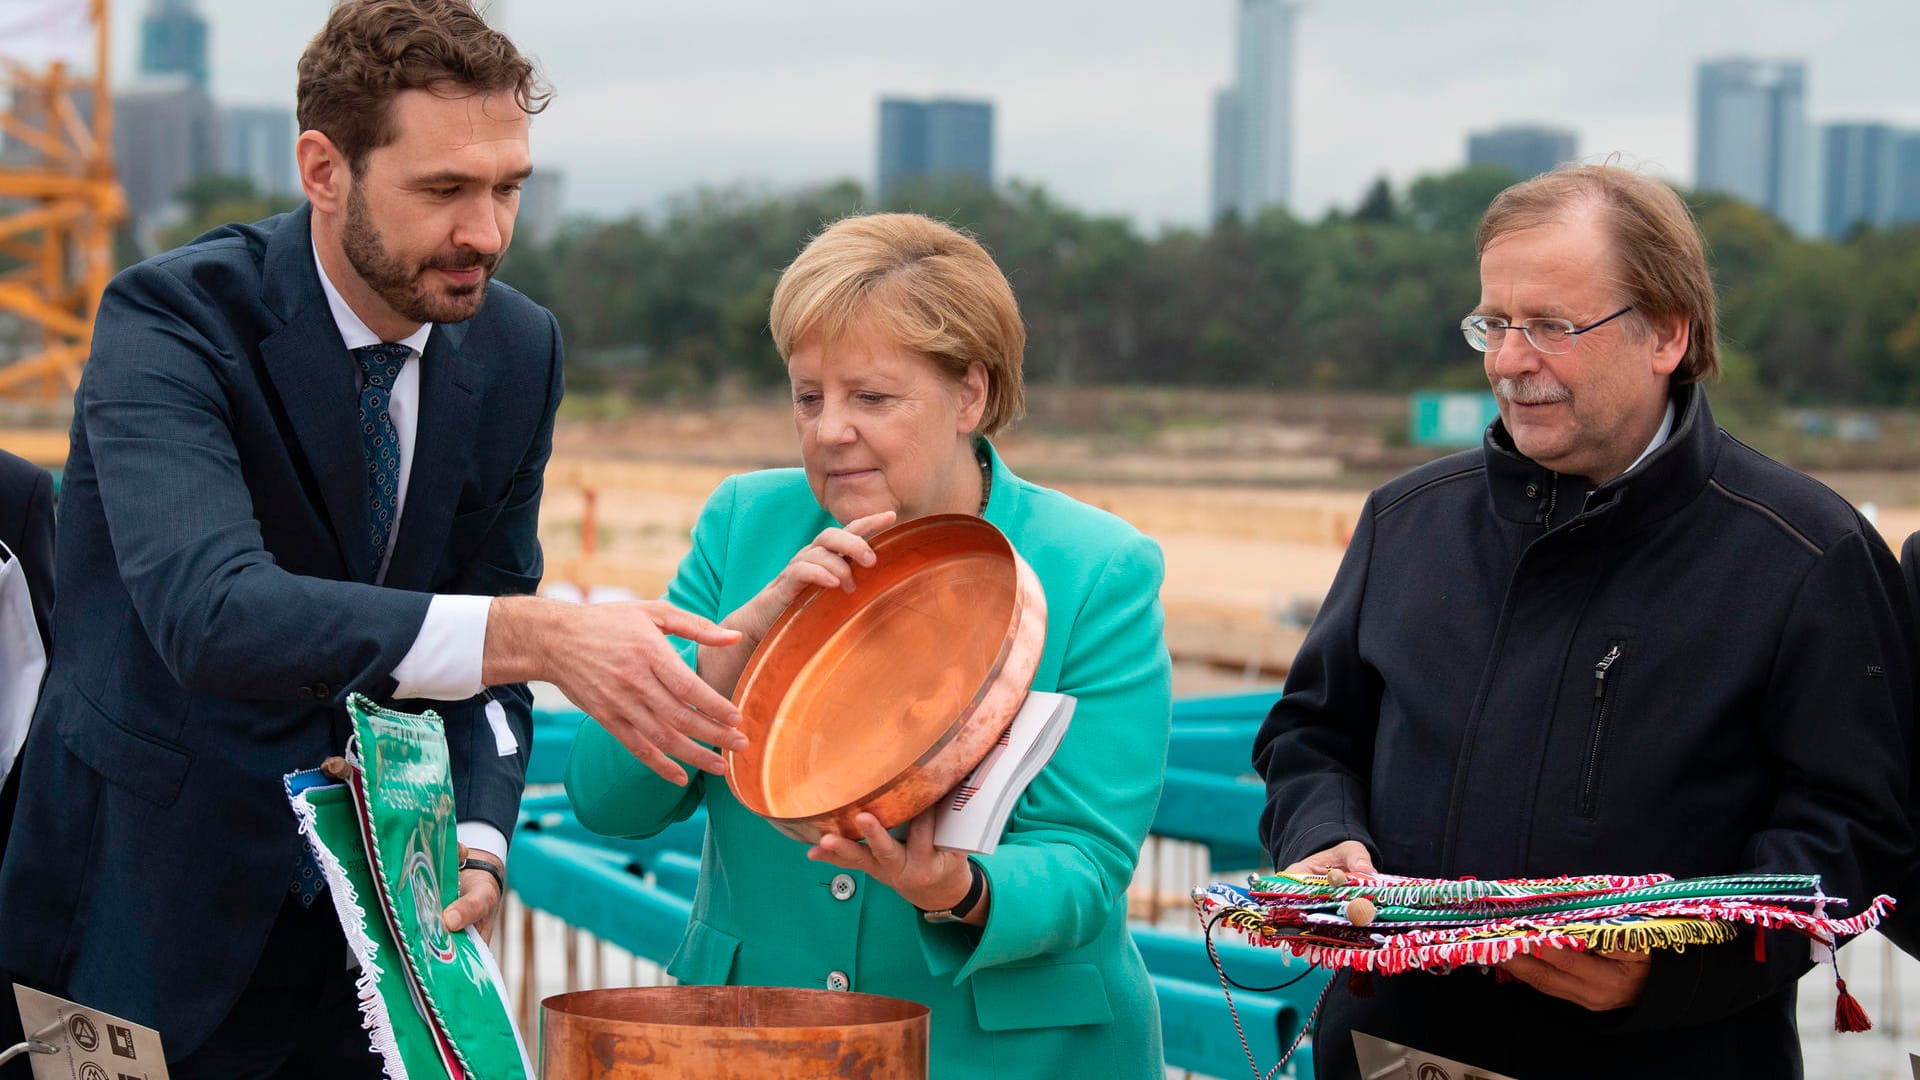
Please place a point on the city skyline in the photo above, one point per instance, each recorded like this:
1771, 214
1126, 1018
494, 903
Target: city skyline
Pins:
1253, 114
1106, 105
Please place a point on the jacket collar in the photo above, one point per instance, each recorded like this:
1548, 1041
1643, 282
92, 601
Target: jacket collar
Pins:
1663, 482
307, 359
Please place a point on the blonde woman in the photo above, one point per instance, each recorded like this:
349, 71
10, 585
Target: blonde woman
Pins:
903, 344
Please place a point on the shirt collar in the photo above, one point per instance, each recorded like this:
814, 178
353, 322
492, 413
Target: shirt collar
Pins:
1659, 437
355, 332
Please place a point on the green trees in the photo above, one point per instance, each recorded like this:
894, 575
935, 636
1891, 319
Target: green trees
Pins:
676, 303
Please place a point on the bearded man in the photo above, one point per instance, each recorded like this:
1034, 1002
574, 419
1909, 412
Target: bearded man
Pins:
306, 462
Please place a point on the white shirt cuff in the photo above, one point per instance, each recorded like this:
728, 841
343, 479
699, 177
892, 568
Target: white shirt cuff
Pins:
481, 836
444, 663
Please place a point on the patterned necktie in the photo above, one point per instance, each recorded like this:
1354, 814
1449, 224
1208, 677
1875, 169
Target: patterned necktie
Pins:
379, 369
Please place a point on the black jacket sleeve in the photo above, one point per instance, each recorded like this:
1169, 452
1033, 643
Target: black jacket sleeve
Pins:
1315, 749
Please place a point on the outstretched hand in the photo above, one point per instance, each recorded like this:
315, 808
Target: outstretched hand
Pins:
614, 661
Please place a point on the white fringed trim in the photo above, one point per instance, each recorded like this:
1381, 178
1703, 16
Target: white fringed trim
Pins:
353, 923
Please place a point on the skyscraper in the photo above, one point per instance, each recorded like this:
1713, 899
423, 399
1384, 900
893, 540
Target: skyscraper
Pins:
1906, 199
1752, 140
541, 201
165, 134
934, 143
173, 41
1861, 182
1527, 149
256, 141
1253, 119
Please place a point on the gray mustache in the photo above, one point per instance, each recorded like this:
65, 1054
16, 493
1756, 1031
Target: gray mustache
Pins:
1531, 391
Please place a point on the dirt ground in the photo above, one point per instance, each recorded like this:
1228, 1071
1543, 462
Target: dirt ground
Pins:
1253, 511
1252, 496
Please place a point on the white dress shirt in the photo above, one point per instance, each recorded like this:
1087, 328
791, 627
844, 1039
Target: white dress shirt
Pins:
445, 659
1659, 437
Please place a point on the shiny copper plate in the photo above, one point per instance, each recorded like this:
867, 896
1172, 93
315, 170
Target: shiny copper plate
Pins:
700, 1032
884, 698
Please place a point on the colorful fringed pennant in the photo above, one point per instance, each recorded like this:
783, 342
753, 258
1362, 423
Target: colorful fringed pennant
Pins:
1385, 924
1382, 924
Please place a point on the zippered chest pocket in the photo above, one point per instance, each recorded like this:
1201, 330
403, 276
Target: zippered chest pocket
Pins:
1607, 672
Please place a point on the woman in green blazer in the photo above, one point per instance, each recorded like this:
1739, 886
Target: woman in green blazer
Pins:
903, 344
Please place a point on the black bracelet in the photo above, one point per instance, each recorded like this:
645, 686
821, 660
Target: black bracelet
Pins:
975, 890
499, 878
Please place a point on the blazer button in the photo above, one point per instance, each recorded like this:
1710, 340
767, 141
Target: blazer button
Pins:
322, 690
306, 692
838, 981
842, 886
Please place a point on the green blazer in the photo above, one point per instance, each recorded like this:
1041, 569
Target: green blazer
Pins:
1052, 987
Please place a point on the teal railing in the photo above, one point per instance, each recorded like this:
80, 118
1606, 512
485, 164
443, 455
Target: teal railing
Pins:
637, 894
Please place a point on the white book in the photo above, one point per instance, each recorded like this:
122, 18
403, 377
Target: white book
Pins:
973, 815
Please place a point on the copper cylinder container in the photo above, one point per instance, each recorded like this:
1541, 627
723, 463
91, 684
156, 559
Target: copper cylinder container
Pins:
730, 1033
883, 699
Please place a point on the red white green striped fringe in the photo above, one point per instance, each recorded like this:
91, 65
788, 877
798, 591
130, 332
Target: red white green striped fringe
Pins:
1403, 924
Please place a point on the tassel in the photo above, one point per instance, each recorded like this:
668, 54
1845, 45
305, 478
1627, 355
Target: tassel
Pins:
1759, 946
1360, 983
1847, 1013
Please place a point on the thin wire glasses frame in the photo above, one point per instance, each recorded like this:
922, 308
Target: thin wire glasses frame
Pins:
1551, 336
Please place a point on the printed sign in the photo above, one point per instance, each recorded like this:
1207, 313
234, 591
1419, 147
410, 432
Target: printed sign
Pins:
1382, 1060
86, 1044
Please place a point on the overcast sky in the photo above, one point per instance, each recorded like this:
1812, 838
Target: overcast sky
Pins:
1107, 103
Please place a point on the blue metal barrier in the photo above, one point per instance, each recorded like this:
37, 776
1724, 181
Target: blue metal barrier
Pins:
602, 888
1220, 811
1252, 705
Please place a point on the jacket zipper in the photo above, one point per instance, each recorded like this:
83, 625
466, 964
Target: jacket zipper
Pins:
1596, 730
1553, 497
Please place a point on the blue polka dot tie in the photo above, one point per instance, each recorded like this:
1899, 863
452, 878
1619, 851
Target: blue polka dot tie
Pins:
379, 369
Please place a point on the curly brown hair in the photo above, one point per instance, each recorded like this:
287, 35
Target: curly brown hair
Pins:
371, 50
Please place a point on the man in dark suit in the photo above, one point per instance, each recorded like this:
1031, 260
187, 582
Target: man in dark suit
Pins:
306, 462
26, 528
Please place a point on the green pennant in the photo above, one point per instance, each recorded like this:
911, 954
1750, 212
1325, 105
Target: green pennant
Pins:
433, 1000
393, 1014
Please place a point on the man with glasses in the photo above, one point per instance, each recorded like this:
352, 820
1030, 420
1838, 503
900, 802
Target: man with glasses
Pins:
1613, 639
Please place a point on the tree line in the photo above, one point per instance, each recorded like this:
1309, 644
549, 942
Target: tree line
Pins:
675, 303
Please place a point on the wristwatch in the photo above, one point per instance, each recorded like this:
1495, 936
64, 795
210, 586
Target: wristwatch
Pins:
976, 888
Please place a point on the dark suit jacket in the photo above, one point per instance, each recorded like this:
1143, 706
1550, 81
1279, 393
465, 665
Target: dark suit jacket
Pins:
1903, 926
26, 527
215, 609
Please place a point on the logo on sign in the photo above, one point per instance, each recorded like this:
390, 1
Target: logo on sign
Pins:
85, 1035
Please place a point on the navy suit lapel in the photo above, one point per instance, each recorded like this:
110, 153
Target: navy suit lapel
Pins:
449, 422
313, 376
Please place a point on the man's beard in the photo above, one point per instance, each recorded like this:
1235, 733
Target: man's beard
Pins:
405, 288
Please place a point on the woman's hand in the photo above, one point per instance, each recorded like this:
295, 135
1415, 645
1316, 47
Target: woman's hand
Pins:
827, 562
930, 878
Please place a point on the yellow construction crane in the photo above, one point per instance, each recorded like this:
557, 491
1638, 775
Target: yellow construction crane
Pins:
59, 204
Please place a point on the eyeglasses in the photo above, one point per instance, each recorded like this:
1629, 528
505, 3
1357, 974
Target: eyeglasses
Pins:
1552, 336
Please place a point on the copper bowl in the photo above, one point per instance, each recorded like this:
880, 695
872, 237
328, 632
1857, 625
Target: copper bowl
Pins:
719, 1032
883, 699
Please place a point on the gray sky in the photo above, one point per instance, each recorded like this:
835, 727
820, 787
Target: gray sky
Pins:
1108, 102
